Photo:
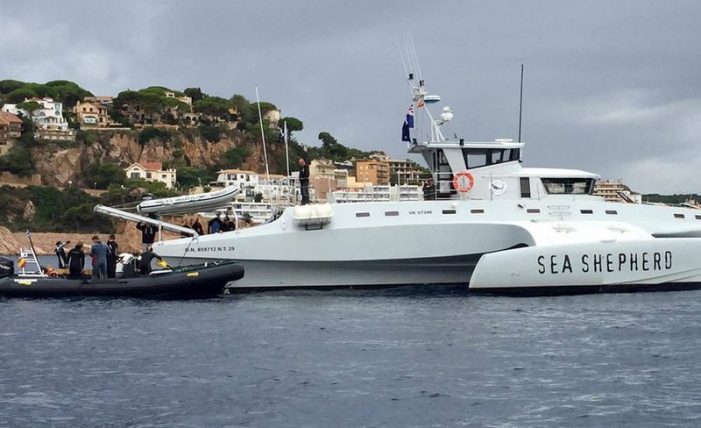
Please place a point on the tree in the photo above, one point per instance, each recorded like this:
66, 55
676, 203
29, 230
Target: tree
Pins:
19, 95
211, 133
9, 85
293, 124
102, 175
30, 107
189, 176
150, 133
195, 93
42, 90
239, 102
17, 160
213, 107
235, 157
69, 93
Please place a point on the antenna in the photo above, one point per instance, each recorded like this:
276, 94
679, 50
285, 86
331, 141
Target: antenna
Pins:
262, 134
520, 106
287, 150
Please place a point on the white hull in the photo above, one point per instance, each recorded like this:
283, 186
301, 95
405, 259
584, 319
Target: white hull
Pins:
444, 242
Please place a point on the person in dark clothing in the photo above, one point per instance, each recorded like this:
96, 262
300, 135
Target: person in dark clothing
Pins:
112, 257
146, 258
227, 225
214, 225
429, 190
76, 261
197, 227
60, 252
148, 234
304, 180
186, 225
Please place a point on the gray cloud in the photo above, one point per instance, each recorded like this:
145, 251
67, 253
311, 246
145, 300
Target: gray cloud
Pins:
611, 87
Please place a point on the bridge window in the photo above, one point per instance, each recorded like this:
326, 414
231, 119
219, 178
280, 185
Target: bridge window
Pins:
476, 158
568, 186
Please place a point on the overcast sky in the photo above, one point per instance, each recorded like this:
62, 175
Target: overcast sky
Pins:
610, 87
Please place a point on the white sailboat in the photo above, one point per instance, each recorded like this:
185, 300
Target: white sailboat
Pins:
494, 226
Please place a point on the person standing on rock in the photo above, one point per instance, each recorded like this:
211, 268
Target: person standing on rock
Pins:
112, 257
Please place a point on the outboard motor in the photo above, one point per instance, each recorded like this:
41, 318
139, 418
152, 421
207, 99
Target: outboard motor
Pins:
7, 267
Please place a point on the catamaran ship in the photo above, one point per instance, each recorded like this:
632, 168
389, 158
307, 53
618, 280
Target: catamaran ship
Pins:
492, 225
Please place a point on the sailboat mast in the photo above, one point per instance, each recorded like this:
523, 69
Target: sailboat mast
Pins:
262, 134
520, 106
287, 149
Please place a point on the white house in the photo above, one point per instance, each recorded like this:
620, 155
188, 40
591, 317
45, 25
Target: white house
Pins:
152, 171
272, 187
48, 117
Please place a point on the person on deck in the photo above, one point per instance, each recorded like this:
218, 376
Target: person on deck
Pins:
60, 252
429, 189
214, 225
227, 225
146, 258
76, 261
98, 251
304, 180
112, 257
148, 234
197, 227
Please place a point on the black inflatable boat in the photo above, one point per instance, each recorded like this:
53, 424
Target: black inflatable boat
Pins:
195, 281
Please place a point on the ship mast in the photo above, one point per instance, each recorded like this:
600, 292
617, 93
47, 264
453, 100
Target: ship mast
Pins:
421, 99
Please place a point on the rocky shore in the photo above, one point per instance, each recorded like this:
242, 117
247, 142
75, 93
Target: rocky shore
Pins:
129, 240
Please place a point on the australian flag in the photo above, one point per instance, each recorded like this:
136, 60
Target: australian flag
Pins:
408, 123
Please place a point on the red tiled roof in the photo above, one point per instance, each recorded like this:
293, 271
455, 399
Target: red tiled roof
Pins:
9, 117
151, 165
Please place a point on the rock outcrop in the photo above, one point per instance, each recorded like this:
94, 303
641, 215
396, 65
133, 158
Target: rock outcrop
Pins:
8, 243
58, 166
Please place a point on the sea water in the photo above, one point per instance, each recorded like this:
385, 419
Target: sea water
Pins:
400, 358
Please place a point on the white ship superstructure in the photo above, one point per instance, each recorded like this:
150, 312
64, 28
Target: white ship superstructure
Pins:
494, 226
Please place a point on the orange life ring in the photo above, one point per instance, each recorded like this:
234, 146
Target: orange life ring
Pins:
463, 181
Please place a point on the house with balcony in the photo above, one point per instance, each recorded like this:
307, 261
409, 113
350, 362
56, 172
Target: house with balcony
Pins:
152, 172
10, 130
49, 120
92, 114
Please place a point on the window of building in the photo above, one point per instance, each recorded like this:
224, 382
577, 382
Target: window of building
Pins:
135, 175
568, 186
148, 175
